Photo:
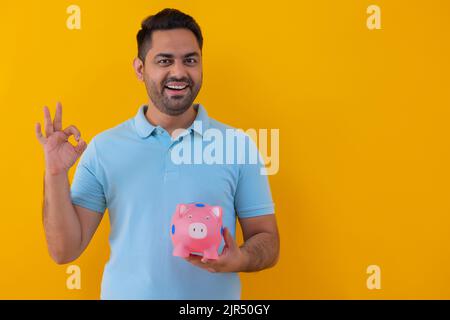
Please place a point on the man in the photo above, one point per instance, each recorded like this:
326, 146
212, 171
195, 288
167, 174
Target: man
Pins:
129, 169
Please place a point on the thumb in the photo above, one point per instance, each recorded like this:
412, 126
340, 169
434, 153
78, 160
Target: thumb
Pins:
229, 240
81, 146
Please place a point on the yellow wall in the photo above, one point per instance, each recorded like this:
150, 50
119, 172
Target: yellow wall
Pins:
363, 118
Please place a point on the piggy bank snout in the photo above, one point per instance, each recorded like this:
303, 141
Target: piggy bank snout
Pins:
197, 230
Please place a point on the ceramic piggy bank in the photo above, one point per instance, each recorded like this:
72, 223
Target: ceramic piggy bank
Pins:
196, 227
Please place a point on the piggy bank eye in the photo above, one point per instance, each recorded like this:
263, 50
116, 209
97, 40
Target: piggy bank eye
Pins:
207, 217
190, 216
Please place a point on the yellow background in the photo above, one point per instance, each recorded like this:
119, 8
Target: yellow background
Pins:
364, 133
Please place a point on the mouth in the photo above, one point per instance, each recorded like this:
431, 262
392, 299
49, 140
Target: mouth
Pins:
176, 88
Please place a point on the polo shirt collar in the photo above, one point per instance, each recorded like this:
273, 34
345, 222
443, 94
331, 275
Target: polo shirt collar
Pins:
144, 128
202, 116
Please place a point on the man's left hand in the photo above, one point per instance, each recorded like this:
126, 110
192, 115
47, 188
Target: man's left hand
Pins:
232, 258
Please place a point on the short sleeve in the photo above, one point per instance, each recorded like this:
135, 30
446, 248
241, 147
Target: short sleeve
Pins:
253, 196
87, 190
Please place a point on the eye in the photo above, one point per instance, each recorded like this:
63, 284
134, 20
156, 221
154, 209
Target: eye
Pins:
207, 217
164, 61
190, 61
190, 216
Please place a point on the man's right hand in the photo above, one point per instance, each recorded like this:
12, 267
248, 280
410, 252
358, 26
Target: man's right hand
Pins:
60, 154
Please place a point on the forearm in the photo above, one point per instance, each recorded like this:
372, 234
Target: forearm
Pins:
61, 224
260, 252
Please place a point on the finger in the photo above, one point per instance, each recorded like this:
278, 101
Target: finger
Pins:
193, 257
47, 122
81, 146
39, 134
72, 130
57, 122
229, 240
224, 250
196, 262
212, 263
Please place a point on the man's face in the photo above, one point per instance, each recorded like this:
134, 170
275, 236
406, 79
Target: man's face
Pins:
173, 70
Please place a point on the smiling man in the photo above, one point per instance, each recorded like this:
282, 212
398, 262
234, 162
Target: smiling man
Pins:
128, 170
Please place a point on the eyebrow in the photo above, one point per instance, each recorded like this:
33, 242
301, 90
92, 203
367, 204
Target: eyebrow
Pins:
169, 55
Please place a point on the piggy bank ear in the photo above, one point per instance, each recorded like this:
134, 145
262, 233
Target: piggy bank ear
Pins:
217, 211
181, 209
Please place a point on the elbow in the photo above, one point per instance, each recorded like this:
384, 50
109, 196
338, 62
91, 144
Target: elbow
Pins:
61, 257
275, 260
61, 260
276, 257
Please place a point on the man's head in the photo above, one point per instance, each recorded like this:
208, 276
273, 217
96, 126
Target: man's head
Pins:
170, 60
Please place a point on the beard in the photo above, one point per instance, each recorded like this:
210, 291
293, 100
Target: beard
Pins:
172, 104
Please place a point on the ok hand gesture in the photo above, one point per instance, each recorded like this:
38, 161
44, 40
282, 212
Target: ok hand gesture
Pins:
60, 154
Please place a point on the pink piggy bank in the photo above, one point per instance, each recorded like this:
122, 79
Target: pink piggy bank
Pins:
196, 227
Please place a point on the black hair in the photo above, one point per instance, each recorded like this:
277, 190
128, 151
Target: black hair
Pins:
166, 19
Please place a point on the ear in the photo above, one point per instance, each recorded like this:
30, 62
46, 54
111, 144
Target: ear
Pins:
217, 211
181, 209
138, 66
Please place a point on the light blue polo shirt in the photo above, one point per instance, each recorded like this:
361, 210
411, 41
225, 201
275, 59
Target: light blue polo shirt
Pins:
129, 170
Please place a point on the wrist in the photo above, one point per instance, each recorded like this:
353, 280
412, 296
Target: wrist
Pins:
55, 174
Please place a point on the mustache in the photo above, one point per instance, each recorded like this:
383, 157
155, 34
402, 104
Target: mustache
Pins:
185, 80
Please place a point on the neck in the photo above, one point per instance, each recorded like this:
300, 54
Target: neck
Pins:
168, 122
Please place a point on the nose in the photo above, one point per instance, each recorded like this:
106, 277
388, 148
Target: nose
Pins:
178, 70
198, 230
